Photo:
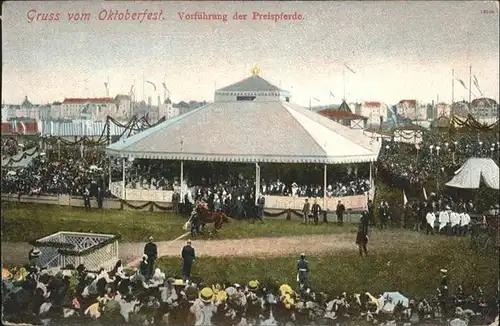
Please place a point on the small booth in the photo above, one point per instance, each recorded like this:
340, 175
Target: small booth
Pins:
94, 250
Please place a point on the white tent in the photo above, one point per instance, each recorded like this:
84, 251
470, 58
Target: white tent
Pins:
470, 174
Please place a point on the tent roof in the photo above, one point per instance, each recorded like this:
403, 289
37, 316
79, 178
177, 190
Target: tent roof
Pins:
258, 131
254, 83
470, 174
345, 107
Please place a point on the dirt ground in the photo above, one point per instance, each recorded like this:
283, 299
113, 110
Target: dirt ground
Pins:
17, 253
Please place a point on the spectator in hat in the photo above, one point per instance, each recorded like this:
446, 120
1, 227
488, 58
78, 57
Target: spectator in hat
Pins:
303, 272
188, 257
443, 289
86, 198
340, 213
316, 209
362, 237
203, 308
33, 255
144, 266
100, 197
151, 251
305, 211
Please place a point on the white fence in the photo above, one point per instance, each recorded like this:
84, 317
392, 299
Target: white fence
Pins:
272, 202
63, 248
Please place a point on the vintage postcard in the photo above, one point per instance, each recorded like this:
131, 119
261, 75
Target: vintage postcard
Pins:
250, 163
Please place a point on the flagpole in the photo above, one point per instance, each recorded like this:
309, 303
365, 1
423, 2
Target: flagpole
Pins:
143, 88
470, 82
452, 86
343, 78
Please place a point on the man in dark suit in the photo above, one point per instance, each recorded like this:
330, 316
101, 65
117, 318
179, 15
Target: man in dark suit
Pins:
86, 198
100, 197
260, 208
188, 258
371, 216
315, 209
176, 199
151, 251
362, 236
340, 213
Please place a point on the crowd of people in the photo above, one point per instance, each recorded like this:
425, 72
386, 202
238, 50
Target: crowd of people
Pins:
439, 154
67, 173
147, 296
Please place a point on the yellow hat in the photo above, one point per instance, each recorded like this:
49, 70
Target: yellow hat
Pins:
221, 296
6, 275
253, 285
179, 282
285, 288
206, 295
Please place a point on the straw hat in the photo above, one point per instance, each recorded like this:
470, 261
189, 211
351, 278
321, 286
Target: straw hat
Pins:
36, 252
179, 282
444, 271
253, 285
206, 295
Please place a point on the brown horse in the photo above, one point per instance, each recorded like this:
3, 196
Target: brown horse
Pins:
207, 217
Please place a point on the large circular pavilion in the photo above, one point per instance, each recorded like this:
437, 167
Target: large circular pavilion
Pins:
251, 121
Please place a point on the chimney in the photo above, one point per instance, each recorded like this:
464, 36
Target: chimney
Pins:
149, 101
159, 101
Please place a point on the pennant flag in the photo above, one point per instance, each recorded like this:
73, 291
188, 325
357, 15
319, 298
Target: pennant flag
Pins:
132, 89
349, 68
23, 128
425, 194
462, 82
476, 83
165, 87
475, 80
405, 200
331, 94
147, 81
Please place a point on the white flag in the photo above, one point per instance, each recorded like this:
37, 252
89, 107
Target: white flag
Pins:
405, 200
425, 194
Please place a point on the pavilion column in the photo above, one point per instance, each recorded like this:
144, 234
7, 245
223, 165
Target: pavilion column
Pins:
325, 182
109, 171
182, 182
371, 176
123, 179
257, 182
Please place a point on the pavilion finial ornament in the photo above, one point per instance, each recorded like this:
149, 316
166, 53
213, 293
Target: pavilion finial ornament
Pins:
255, 70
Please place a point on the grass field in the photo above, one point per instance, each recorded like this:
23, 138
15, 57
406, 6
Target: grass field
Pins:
24, 222
409, 269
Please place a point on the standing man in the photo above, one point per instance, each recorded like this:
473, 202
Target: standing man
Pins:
362, 236
188, 258
86, 198
305, 211
260, 208
444, 292
100, 197
176, 198
370, 213
303, 272
340, 213
151, 251
316, 209
383, 213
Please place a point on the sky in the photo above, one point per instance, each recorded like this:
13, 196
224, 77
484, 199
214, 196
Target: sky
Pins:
396, 49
